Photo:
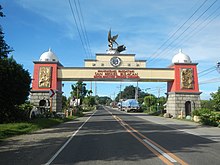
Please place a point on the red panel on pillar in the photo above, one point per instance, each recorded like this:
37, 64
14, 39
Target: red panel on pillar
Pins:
48, 78
186, 78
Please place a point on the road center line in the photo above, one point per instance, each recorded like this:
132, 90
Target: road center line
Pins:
160, 151
155, 148
67, 142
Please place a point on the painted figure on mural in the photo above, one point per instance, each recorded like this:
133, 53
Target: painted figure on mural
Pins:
44, 77
187, 78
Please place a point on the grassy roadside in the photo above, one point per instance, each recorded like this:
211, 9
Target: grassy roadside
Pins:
12, 129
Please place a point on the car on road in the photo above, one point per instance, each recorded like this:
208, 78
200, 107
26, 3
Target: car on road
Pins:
129, 105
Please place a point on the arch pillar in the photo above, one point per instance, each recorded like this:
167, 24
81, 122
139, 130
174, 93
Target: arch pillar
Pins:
182, 89
45, 77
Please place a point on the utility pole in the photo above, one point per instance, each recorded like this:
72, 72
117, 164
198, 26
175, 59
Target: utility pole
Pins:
91, 86
136, 92
95, 88
218, 66
150, 97
158, 99
120, 92
120, 98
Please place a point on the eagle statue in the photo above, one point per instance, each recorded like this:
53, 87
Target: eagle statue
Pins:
112, 40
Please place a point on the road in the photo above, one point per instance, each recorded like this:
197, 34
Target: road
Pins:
109, 136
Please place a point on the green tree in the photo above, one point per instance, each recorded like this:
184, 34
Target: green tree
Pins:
89, 92
4, 48
161, 100
141, 96
15, 83
89, 101
14, 88
207, 104
103, 100
127, 93
64, 102
216, 100
150, 100
79, 90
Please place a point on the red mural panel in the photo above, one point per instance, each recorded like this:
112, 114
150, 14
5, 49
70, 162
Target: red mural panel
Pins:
186, 79
53, 77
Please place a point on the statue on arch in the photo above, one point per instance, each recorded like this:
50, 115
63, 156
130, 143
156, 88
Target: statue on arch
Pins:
112, 41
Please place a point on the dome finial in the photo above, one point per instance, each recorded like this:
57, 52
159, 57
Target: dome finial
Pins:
48, 56
181, 58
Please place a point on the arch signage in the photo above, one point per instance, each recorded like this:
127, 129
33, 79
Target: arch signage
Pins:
181, 77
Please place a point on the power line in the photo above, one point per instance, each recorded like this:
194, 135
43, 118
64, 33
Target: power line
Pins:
207, 70
82, 26
154, 54
185, 29
77, 27
214, 80
212, 70
194, 31
205, 22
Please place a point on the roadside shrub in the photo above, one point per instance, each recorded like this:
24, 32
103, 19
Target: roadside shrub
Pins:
196, 113
199, 112
207, 117
211, 119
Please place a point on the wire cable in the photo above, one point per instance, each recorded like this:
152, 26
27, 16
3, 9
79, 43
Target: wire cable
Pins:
154, 54
192, 33
207, 70
82, 26
184, 30
214, 80
80, 36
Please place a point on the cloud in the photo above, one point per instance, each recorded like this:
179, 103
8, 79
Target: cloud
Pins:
142, 26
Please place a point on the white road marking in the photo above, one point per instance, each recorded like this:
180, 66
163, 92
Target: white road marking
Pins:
61, 149
160, 151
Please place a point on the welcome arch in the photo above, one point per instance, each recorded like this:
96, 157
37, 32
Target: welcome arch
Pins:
181, 77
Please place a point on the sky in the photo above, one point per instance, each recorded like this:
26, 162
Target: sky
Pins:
153, 30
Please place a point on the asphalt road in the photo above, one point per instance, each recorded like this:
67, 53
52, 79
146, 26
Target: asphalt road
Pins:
110, 137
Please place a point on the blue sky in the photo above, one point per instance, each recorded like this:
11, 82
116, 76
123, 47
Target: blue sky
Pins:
144, 27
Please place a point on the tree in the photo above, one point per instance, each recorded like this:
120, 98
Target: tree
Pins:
150, 100
216, 99
103, 100
128, 93
79, 90
15, 83
14, 88
4, 48
141, 96
64, 102
89, 101
161, 101
207, 104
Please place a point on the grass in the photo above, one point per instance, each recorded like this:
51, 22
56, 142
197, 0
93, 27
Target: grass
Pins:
12, 129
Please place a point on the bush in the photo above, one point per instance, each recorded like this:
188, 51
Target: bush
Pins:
196, 113
210, 118
199, 112
207, 117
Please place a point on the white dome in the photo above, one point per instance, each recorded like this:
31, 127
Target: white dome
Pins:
181, 58
48, 56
